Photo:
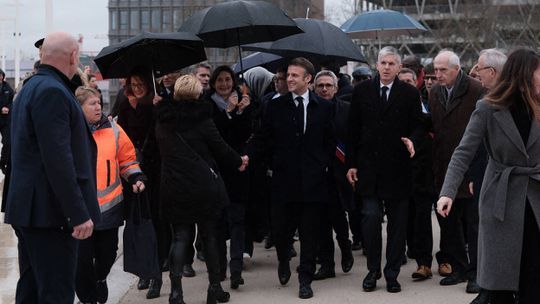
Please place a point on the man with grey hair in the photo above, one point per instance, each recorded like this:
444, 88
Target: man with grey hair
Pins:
489, 66
488, 69
52, 201
202, 72
333, 212
451, 103
384, 121
408, 76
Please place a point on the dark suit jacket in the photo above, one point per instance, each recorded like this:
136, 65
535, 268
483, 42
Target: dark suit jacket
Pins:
299, 161
449, 124
374, 146
53, 180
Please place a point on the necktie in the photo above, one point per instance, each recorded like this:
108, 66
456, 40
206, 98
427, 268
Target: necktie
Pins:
384, 97
300, 114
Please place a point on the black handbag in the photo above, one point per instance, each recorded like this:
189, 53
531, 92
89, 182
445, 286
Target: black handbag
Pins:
140, 243
202, 174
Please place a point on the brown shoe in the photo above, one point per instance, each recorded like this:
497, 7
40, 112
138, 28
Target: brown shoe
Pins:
445, 270
422, 273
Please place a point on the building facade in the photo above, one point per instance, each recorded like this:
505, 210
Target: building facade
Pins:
130, 17
465, 26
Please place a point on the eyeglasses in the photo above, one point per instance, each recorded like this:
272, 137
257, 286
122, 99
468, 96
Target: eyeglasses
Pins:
484, 68
325, 85
137, 86
430, 78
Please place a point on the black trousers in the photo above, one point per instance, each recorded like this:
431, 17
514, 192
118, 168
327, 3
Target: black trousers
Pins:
419, 231
304, 216
96, 258
235, 218
208, 230
47, 263
455, 239
355, 222
373, 210
333, 218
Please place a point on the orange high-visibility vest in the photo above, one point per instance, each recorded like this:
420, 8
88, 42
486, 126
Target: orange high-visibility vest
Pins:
116, 157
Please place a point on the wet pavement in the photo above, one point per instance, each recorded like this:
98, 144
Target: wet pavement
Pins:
261, 286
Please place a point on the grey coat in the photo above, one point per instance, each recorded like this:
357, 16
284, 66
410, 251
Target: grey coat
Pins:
512, 176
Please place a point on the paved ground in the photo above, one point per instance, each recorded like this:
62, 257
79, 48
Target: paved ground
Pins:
262, 285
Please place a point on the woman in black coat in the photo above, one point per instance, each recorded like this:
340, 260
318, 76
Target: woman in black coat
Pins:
135, 116
185, 134
233, 117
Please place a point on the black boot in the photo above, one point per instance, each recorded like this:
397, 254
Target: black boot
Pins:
177, 295
236, 280
217, 294
143, 284
154, 289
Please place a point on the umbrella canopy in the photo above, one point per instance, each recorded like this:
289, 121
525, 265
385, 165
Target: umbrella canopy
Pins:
266, 60
321, 41
162, 53
233, 23
381, 23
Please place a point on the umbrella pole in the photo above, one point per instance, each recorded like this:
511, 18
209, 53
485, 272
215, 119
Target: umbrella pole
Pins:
240, 54
154, 83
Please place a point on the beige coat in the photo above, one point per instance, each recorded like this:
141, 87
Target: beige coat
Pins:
512, 176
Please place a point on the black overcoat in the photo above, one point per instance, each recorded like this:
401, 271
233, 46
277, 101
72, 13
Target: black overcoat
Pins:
193, 121
53, 177
299, 161
236, 129
374, 146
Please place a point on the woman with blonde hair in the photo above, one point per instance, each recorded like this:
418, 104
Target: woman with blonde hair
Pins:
507, 121
115, 160
189, 146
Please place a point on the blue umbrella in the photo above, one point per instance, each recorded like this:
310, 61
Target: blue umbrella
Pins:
381, 23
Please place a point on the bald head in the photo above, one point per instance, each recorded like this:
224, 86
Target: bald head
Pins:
61, 51
446, 65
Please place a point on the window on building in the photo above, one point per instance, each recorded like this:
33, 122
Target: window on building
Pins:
177, 19
166, 22
156, 19
123, 20
134, 20
145, 20
114, 20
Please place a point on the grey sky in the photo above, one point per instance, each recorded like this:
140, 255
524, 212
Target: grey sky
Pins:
86, 17
89, 18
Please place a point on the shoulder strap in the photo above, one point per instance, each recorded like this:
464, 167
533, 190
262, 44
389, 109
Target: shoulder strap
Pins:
196, 154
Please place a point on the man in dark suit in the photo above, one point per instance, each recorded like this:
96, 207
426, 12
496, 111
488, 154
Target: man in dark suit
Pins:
296, 133
333, 217
452, 102
384, 119
52, 196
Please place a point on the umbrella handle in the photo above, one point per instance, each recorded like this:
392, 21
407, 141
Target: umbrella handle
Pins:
154, 83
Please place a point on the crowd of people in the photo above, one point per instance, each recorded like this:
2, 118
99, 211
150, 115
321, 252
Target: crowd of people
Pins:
303, 153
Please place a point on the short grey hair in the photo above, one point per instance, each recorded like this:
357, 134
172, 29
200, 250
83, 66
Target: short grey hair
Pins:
329, 74
195, 68
453, 58
408, 71
389, 50
494, 58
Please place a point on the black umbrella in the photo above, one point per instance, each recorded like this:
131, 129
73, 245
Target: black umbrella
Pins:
321, 41
161, 53
271, 62
234, 23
